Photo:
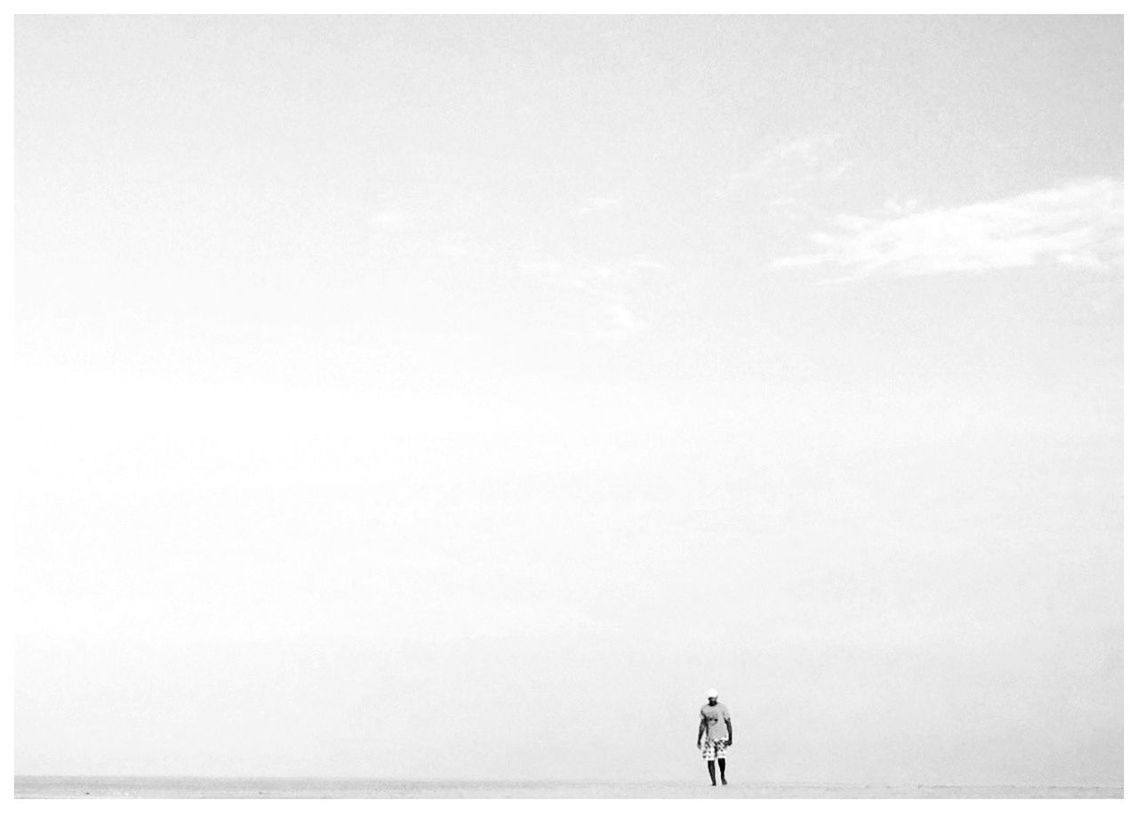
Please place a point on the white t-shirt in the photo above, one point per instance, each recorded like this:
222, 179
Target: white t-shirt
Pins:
716, 717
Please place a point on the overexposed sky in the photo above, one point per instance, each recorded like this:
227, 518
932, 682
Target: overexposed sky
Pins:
501, 383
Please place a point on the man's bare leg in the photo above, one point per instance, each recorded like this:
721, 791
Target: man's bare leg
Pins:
711, 769
723, 770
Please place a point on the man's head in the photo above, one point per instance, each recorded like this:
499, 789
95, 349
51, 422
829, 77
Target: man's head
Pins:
712, 696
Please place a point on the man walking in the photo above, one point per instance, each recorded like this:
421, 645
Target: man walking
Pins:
714, 737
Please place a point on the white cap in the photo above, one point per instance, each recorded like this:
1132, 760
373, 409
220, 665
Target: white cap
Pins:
712, 693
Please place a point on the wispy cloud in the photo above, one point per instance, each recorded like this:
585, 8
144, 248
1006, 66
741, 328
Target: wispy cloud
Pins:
622, 290
1075, 225
391, 219
789, 165
426, 231
622, 323
621, 295
595, 205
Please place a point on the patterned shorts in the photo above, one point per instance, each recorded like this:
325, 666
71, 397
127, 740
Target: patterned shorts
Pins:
714, 749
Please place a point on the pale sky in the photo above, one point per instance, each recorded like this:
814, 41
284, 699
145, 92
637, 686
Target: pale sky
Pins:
461, 397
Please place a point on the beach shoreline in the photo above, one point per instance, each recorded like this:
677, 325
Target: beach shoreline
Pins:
103, 787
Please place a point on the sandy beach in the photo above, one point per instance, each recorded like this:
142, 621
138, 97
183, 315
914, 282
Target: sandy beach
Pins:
58, 787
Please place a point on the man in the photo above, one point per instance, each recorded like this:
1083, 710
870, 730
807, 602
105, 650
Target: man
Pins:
714, 737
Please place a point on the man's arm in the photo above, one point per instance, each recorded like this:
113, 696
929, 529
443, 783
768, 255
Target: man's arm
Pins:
730, 736
699, 734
